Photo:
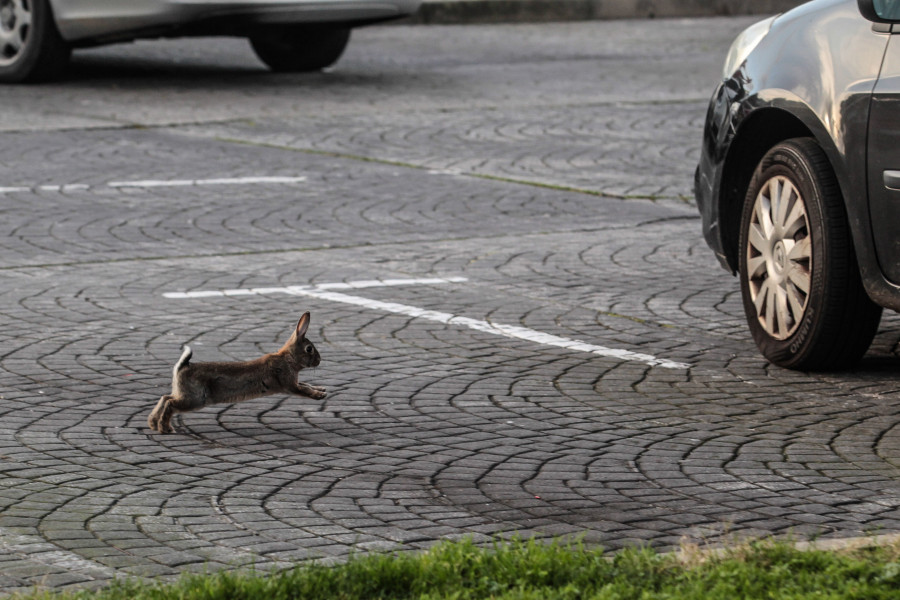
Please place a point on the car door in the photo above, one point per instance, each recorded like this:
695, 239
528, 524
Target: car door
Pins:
884, 161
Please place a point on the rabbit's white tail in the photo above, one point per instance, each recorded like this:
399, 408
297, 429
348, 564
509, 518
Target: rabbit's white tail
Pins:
183, 361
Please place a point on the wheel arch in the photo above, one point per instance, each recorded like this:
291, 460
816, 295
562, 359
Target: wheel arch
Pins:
758, 133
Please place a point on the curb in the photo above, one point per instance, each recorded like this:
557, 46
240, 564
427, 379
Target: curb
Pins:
826, 545
449, 12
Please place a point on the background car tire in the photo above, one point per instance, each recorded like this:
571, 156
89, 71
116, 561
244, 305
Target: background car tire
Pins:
794, 235
300, 50
31, 49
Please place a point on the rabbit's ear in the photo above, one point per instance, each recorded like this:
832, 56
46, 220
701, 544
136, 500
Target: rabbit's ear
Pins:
303, 325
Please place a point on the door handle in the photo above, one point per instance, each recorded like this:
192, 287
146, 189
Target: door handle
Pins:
892, 180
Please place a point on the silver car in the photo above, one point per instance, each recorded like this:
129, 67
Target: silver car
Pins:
37, 36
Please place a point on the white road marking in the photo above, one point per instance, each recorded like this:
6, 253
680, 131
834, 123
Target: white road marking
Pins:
152, 183
149, 183
68, 187
349, 285
324, 292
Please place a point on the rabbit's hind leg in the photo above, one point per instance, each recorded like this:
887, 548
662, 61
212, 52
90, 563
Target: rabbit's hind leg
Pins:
153, 418
160, 417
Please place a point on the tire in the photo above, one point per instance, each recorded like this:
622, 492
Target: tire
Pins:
803, 297
300, 49
31, 49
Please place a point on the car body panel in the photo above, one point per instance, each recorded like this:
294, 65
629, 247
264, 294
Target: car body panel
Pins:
106, 20
813, 75
884, 158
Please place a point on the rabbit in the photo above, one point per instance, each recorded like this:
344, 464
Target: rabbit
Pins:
202, 384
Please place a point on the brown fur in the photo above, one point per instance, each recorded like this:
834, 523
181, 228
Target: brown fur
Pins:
202, 384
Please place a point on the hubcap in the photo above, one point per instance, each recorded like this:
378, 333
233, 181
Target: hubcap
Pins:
779, 258
15, 26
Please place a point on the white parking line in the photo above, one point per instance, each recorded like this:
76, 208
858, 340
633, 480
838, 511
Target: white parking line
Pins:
348, 285
149, 183
324, 292
68, 187
152, 183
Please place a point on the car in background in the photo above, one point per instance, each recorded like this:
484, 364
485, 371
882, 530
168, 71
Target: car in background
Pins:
37, 36
798, 184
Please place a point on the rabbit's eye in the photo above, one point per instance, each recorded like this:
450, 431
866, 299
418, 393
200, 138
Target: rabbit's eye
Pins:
309, 349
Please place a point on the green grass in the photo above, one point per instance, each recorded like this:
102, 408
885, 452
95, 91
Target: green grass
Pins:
529, 570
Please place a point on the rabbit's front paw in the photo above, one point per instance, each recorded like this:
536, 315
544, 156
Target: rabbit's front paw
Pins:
311, 391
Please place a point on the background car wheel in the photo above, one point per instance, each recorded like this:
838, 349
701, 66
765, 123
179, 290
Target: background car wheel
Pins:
298, 50
31, 48
803, 296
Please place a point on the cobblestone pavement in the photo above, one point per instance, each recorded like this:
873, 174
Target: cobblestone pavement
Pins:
522, 330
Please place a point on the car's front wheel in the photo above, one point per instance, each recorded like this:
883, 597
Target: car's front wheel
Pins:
802, 293
300, 49
31, 48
